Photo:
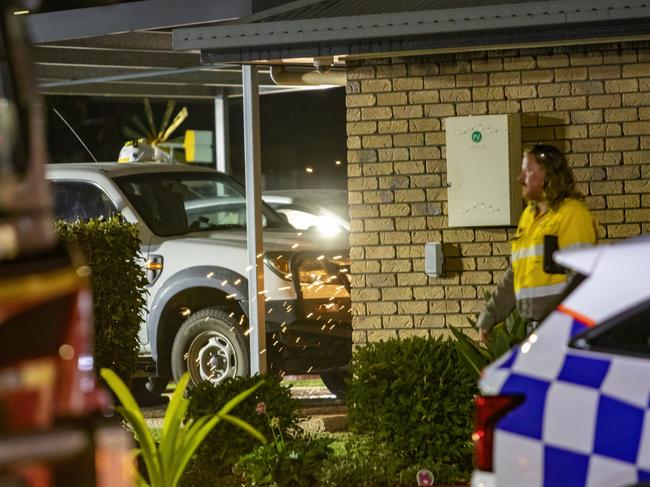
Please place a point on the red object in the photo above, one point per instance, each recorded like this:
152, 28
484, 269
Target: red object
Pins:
489, 410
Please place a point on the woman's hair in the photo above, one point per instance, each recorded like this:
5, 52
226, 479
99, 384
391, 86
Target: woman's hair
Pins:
558, 176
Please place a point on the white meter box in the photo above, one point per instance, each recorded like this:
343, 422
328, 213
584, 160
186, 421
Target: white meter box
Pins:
483, 161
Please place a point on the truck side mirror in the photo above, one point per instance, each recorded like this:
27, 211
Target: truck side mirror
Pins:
550, 246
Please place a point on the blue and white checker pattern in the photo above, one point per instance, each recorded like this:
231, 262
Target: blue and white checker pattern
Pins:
586, 417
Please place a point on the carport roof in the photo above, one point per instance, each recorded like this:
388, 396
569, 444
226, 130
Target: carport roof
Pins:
380, 28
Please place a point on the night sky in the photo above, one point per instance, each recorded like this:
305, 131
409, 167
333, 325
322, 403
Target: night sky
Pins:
299, 130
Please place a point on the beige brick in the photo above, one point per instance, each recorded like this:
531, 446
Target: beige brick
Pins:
352, 87
490, 235
577, 160
487, 65
428, 96
606, 187
604, 72
537, 76
554, 61
363, 211
364, 100
470, 80
359, 337
636, 99
377, 197
474, 108
394, 238
586, 58
364, 267
353, 114
413, 307
429, 321
411, 279
475, 249
572, 132
620, 56
409, 167
571, 103
376, 141
636, 128
608, 216
488, 93
621, 85
521, 91
408, 84
604, 101
645, 142
636, 70
645, 201
510, 106
453, 236
353, 142
587, 88
422, 69
375, 85
355, 184
637, 216
595, 202
393, 182
537, 105
501, 248
396, 294
408, 140
380, 280
423, 333
635, 157
428, 293
623, 172
644, 113
621, 114
426, 181
381, 308
424, 152
377, 168
361, 72
397, 154
478, 277
518, 63
381, 335
587, 145
361, 128
367, 322
455, 95
409, 195
623, 231
376, 113
381, 252
396, 266
444, 307
439, 82
392, 99
410, 251
424, 125
491, 263
354, 170
392, 127
554, 89
472, 306
435, 138
367, 155
391, 71
505, 78
460, 292
366, 294
571, 74
394, 209
605, 130
409, 111
622, 143
623, 201
393, 322
589, 174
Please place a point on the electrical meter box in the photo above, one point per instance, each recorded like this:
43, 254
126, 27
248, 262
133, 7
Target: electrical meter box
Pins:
483, 162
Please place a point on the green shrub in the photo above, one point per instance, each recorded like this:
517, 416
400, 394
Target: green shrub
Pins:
294, 464
223, 447
414, 395
111, 248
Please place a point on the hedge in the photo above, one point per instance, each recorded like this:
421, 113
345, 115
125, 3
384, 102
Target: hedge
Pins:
112, 248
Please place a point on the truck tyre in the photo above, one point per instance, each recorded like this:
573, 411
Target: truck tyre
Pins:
336, 382
210, 346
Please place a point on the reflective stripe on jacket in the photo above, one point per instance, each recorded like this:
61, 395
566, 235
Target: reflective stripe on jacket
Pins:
574, 226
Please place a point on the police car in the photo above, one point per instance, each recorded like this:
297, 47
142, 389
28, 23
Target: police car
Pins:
571, 405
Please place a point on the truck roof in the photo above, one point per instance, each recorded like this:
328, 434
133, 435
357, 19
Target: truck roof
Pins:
126, 169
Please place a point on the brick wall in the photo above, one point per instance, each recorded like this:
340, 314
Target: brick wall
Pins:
591, 101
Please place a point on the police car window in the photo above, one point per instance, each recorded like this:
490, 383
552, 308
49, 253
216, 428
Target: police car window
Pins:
627, 334
80, 201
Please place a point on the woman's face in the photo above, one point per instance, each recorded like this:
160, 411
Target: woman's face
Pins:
531, 178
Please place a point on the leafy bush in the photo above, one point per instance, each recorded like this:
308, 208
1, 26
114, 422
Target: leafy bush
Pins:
111, 248
294, 464
166, 460
223, 447
363, 461
414, 395
476, 355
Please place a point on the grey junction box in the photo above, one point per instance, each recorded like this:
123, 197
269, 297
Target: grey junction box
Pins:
483, 161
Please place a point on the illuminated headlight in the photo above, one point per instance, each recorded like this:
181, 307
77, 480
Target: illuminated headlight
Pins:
311, 270
327, 226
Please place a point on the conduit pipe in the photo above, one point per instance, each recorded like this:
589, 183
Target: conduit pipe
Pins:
281, 76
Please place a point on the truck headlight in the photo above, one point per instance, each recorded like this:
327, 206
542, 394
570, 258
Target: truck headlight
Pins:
310, 270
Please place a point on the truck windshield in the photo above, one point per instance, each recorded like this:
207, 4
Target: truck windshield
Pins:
175, 203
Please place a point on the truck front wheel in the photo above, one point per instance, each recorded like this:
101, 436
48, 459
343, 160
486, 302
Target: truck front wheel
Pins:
210, 346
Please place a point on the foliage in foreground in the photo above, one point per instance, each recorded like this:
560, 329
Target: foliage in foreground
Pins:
224, 446
413, 395
166, 460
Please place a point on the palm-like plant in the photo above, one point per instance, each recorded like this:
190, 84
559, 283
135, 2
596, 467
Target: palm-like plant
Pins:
165, 461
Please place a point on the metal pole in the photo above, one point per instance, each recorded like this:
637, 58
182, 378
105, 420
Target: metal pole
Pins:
253, 180
221, 133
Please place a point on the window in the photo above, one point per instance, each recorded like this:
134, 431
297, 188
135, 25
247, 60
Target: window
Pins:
627, 334
75, 200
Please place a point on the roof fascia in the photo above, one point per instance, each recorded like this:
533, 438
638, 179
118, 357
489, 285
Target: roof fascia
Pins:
128, 17
339, 30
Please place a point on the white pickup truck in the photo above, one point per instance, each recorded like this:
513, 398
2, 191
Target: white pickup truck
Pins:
192, 227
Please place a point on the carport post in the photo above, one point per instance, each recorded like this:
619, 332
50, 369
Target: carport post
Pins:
254, 241
221, 133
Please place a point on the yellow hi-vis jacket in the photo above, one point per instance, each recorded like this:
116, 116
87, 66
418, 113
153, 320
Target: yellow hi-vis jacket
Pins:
525, 284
